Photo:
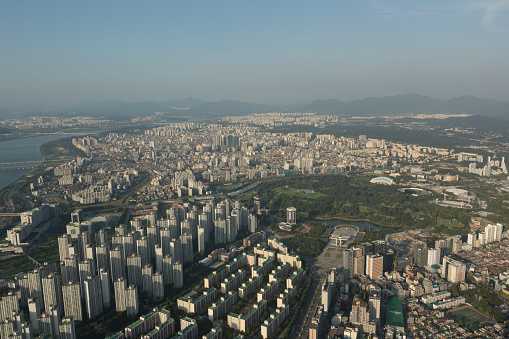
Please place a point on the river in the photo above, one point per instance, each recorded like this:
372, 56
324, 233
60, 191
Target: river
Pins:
25, 149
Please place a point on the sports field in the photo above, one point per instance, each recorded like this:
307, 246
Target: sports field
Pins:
468, 315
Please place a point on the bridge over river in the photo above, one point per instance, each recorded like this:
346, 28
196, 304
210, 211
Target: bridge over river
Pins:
13, 166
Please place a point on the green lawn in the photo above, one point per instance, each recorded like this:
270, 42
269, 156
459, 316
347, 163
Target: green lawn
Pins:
327, 255
468, 316
292, 192
450, 224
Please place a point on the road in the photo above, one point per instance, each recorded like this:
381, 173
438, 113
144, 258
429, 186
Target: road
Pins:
301, 330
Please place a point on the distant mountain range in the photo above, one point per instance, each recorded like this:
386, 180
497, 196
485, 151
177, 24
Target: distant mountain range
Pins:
391, 105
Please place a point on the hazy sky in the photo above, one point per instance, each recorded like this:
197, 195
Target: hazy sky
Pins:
261, 51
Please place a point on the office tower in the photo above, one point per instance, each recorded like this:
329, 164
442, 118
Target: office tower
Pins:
375, 306
201, 240
178, 274
152, 240
420, 254
72, 300
146, 276
187, 247
433, 257
379, 247
131, 300
63, 246
52, 291
347, 262
9, 304
70, 271
389, 257
134, 270
117, 263
101, 238
67, 329
158, 286
143, 251
167, 269
291, 215
220, 231
102, 254
252, 223
120, 286
34, 311
359, 260
85, 271
93, 297
165, 240
176, 249
104, 275
374, 266
159, 258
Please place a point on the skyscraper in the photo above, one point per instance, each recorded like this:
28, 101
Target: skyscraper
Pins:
93, 297
201, 240
67, 329
420, 254
146, 274
120, 286
178, 275
131, 300
70, 270
291, 215
117, 263
143, 251
63, 246
72, 300
158, 286
104, 275
187, 247
134, 270
52, 291
375, 266
167, 269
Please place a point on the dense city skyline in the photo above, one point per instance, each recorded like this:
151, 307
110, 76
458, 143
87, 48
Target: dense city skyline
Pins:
259, 52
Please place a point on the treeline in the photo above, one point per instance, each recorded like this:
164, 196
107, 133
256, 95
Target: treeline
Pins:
60, 147
349, 198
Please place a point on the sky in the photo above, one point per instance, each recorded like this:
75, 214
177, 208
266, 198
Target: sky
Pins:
276, 52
